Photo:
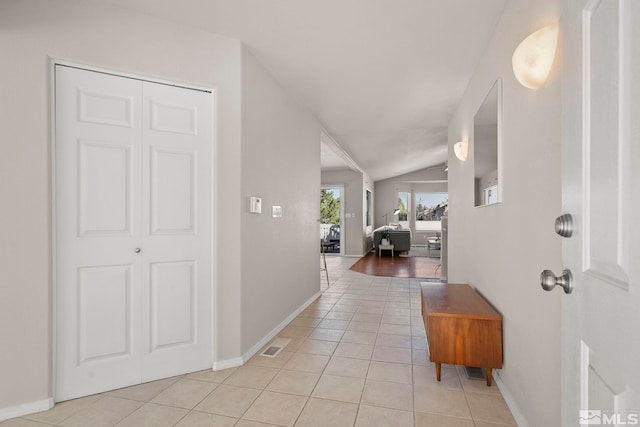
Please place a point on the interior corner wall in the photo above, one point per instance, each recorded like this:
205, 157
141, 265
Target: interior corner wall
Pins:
33, 33
501, 249
354, 228
280, 164
367, 240
386, 190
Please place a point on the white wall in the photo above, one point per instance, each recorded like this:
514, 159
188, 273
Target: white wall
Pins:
33, 31
281, 164
367, 240
353, 199
255, 288
501, 249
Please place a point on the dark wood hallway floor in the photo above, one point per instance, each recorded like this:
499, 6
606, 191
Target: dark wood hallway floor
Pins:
397, 266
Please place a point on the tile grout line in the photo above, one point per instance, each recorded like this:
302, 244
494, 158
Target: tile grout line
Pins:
368, 294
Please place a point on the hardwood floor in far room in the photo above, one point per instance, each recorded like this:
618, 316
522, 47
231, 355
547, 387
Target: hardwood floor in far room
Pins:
397, 266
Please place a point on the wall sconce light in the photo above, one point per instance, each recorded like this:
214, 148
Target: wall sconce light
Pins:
461, 149
533, 58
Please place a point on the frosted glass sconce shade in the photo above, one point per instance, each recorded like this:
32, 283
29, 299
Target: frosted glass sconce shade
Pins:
461, 150
533, 58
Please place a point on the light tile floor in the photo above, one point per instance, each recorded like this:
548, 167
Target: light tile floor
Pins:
357, 357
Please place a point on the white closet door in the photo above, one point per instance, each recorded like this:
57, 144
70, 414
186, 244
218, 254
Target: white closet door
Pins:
132, 256
176, 244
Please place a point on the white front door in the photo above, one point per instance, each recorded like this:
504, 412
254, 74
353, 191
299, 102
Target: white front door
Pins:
601, 190
132, 229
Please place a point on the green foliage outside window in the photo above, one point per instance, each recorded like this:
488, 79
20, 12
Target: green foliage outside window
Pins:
403, 214
329, 207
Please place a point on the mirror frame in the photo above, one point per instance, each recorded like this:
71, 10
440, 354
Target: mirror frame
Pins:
499, 144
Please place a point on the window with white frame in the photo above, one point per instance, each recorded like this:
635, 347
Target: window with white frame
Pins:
404, 209
491, 195
430, 208
369, 208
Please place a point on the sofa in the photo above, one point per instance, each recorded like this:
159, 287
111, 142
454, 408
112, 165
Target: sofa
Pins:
400, 238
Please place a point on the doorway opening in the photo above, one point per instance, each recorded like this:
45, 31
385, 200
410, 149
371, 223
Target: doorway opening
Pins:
331, 214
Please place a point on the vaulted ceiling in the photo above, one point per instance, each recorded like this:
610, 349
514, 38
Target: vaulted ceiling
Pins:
383, 76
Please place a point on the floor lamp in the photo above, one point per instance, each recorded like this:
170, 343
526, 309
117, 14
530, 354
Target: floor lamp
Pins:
386, 216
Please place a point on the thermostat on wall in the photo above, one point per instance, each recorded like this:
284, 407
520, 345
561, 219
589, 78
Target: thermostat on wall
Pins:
255, 204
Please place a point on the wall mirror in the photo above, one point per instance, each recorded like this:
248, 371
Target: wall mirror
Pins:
487, 148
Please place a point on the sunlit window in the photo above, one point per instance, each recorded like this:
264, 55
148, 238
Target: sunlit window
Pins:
403, 207
491, 195
430, 208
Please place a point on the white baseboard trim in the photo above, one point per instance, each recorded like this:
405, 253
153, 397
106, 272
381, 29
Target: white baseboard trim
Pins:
227, 363
521, 421
26, 409
43, 405
238, 361
257, 346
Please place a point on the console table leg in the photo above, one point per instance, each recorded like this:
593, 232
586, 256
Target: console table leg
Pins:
438, 369
488, 371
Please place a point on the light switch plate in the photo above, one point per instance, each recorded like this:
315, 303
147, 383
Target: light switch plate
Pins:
276, 211
255, 204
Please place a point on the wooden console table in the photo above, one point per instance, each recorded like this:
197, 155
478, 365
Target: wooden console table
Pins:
462, 328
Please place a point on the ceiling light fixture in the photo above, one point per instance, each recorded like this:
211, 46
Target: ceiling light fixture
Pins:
533, 58
461, 150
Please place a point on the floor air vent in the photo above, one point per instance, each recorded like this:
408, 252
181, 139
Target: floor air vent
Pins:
474, 373
275, 347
